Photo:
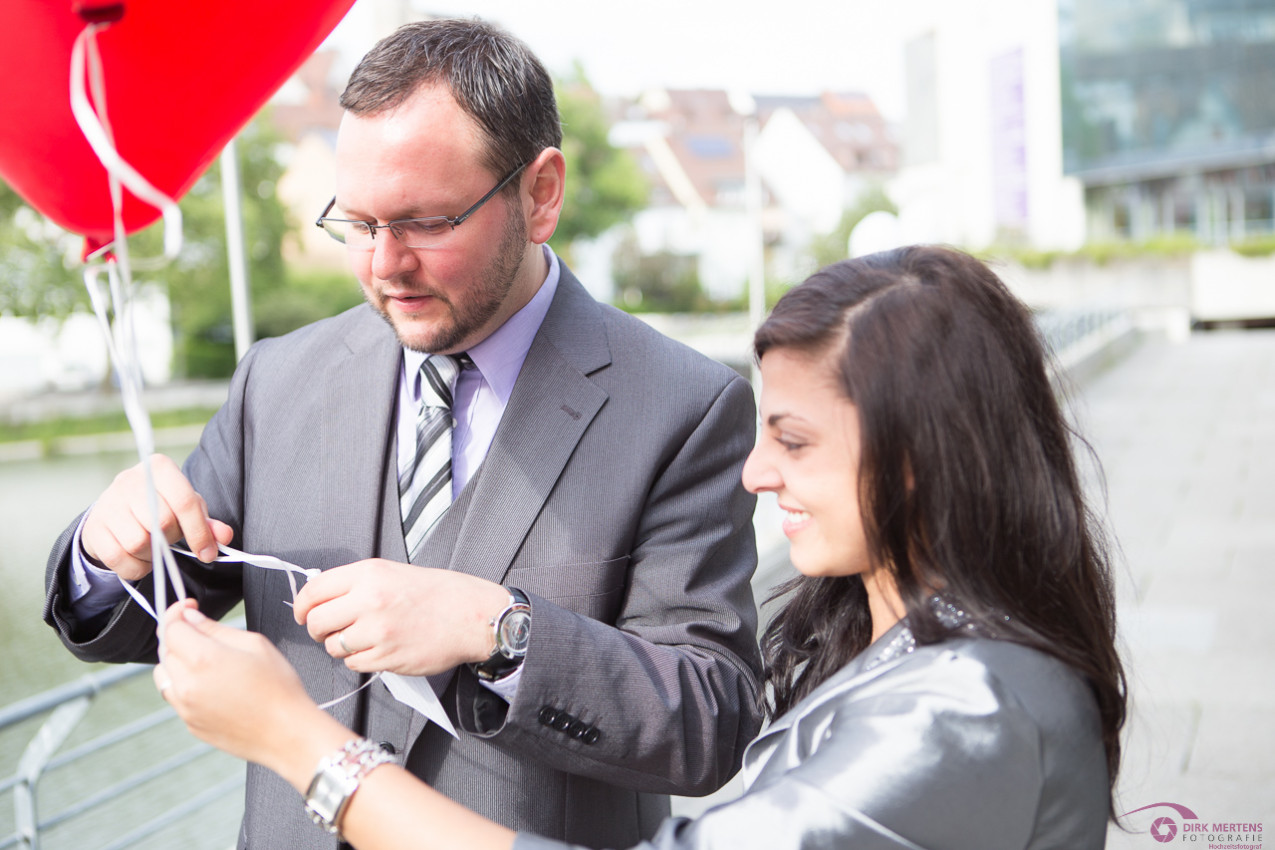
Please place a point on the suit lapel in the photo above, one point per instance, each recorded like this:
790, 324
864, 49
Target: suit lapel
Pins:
551, 407
361, 389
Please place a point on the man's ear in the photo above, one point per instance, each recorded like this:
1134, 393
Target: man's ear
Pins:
546, 185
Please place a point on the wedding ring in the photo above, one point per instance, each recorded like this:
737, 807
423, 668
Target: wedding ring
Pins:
340, 638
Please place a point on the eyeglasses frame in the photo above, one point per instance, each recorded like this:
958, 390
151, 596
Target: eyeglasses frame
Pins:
454, 221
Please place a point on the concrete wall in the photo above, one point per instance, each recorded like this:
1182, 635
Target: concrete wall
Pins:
1207, 286
1230, 287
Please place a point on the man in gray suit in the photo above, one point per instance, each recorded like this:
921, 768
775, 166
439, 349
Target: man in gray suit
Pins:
583, 605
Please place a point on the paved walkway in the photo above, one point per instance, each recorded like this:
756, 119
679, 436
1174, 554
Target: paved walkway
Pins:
1186, 436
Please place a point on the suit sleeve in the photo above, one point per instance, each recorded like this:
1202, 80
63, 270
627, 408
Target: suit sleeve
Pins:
665, 700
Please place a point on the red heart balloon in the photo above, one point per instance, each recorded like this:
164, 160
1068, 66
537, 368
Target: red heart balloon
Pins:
181, 78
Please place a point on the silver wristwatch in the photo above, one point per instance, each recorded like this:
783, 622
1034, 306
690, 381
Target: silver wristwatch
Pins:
337, 778
511, 633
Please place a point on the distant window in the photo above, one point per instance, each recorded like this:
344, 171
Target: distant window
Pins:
710, 146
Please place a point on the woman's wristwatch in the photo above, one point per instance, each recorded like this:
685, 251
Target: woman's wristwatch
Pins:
337, 778
511, 632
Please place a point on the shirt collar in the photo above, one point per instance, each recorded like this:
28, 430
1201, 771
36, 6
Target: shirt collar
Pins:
499, 357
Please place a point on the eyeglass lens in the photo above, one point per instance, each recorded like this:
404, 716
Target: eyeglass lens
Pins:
413, 233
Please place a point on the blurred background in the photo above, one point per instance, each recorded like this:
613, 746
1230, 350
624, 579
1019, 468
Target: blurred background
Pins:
1113, 159
708, 149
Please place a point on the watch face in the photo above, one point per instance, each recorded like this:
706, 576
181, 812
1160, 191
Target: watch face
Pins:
515, 633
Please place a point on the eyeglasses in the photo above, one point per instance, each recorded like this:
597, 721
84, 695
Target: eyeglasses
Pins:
428, 232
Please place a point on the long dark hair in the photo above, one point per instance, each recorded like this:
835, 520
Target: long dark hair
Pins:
967, 478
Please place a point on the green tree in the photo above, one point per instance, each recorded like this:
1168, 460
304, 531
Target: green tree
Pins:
662, 282
42, 274
605, 186
198, 280
39, 274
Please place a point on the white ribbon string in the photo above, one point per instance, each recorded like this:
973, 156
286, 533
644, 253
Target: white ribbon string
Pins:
94, 124
265, 562
121, 336
121, 343
413, 691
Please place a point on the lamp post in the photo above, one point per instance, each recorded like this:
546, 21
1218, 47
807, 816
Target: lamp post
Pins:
240, 302
746, 107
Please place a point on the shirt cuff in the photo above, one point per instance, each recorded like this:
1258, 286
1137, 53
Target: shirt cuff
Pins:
93, 590
506, 687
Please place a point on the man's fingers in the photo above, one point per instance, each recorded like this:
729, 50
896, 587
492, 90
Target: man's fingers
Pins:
112, 530
137, 528
119, 558
118, 530
329, 619
185, 509
328, 585
224, 533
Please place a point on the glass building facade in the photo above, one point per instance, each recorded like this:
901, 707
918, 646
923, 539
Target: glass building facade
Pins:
1168, 113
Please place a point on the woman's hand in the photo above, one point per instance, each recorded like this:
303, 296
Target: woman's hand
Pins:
236, 691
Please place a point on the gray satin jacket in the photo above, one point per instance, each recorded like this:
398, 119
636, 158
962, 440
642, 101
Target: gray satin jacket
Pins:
970, 744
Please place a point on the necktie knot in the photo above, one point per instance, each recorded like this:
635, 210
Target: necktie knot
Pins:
438, 378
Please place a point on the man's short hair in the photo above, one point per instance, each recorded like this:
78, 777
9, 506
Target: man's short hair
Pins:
494, 77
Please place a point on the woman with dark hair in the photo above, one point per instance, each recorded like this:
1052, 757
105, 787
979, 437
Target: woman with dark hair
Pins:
943, 672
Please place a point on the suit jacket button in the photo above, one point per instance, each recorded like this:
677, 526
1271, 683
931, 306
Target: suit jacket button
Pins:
591, 735
577, 729
564, 721
547, 715
388, 747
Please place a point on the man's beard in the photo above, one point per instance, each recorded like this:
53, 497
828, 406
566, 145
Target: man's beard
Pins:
490, 292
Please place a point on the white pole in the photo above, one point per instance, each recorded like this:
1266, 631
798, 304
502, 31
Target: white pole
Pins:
236, 258
756, 247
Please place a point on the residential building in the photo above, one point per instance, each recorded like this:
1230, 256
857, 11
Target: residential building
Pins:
813, 156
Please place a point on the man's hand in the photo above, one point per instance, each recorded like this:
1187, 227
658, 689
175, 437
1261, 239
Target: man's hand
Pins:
380, 615
117, 532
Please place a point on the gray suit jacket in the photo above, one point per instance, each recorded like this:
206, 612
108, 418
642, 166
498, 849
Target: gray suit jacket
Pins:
610, 494
969, 744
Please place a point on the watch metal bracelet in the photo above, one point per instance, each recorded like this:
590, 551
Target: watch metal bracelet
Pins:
337, 778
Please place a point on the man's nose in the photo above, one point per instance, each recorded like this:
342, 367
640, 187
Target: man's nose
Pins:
390, 257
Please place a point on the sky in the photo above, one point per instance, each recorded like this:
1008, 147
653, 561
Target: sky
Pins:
800, 47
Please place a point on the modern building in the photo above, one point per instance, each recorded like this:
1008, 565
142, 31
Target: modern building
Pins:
1168, 115
982, 158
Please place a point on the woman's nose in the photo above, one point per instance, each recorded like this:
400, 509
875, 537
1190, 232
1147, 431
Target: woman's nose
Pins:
759, 473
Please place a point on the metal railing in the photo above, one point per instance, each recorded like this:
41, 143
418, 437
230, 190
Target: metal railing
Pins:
119, 802
1074, 336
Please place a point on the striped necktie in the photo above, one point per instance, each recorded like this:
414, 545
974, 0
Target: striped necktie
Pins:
425, 483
